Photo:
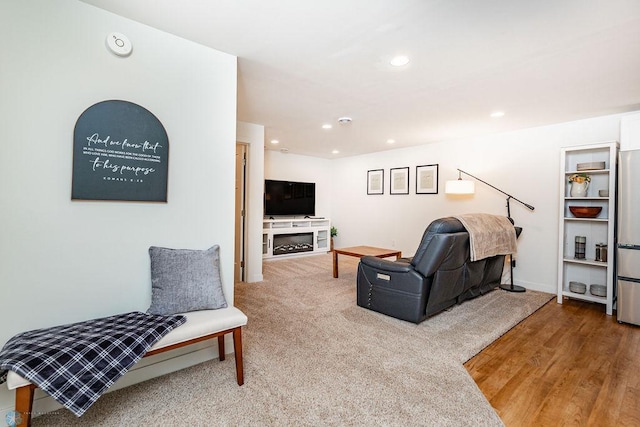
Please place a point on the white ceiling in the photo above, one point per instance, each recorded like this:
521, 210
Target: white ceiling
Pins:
303, 63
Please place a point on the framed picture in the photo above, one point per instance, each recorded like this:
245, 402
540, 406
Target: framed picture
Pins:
375, 181
399, 181
427, 179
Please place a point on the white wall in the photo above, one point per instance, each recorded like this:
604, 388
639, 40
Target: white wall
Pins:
630, 132
293, 167
61, 260
253, 135
523, 163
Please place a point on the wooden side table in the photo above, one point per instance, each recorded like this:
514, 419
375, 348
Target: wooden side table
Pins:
360, 251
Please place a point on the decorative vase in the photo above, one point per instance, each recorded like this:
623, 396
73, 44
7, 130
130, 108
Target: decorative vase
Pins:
579, 189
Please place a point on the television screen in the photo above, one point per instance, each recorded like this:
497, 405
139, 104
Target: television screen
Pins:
289, 198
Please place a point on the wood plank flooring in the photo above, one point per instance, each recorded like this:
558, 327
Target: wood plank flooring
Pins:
567, 364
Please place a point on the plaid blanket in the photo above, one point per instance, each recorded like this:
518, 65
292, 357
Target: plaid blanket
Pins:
78, 362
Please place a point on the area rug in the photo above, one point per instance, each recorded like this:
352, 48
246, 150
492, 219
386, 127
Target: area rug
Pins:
313, 358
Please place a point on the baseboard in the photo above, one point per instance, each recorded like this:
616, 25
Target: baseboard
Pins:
550, 289
255, 278
146, 369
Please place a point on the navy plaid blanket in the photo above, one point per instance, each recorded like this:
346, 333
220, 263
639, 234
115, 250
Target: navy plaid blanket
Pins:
76, 363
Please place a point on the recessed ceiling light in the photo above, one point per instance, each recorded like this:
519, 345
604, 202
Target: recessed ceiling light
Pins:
391, 141
497, 114
344, 120
326, 126
399, 61
274, 141
335, 152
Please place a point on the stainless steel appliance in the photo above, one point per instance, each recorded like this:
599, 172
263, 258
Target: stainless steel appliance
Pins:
628, 259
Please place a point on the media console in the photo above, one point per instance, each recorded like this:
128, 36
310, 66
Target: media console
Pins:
283, 238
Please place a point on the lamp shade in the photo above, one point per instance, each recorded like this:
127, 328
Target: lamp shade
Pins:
460, 186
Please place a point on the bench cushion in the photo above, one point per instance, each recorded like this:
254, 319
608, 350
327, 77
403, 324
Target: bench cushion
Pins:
199, 324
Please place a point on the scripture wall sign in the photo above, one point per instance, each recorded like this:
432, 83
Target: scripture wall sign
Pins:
120, 152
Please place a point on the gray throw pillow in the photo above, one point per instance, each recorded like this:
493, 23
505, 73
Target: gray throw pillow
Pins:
185, 280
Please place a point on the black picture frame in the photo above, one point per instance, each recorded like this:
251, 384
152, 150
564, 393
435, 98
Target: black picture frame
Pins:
375, 181
399, 180
427, 179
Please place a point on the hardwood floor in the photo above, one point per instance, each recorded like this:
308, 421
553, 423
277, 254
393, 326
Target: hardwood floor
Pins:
567, 364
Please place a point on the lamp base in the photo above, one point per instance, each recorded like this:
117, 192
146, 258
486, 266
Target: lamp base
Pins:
513, 288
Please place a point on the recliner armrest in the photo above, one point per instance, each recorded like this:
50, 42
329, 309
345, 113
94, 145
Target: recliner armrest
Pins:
393, 288
386, 265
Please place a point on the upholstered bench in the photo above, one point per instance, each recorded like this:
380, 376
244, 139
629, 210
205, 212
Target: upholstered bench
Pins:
200, 325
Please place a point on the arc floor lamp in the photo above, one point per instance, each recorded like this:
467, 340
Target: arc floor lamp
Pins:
461, 186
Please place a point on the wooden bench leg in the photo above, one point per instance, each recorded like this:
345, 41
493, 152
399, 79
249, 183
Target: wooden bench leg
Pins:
221, 347
24, 404
237, 348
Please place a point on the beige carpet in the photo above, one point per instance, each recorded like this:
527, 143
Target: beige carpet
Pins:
313, 358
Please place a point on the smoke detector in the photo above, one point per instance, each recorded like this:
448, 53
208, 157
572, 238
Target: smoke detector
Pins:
344, 120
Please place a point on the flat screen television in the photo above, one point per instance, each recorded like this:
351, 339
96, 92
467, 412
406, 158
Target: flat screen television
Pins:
289, 198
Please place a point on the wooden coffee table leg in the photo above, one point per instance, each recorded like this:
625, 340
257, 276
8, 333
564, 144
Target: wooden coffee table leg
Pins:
335, 264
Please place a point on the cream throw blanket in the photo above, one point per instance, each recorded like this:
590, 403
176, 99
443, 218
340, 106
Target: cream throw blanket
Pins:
489, 235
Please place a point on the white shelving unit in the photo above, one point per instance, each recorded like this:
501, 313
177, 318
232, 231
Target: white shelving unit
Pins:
600, 229
283, 238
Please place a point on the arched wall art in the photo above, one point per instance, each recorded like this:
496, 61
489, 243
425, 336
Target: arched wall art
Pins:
120, 152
